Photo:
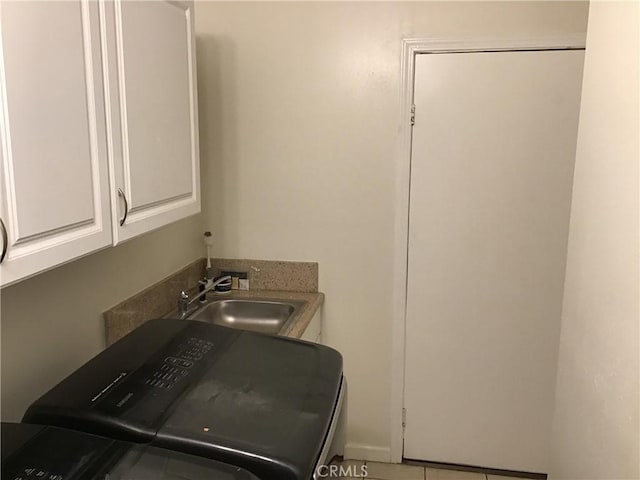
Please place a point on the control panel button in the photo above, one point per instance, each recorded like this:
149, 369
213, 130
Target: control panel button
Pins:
30, 473
177, 365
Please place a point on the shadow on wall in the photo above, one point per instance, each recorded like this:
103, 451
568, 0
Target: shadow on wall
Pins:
218, 138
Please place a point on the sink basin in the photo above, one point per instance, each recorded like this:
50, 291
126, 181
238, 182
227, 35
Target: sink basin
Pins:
266, 316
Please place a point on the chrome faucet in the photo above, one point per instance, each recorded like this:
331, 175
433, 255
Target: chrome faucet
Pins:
184, 302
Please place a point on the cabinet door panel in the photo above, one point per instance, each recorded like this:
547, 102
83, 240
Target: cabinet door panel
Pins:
157, 90
54, 172
152, 99
50, 141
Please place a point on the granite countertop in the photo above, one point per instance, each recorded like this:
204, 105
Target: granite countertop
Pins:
276, 280
294, 328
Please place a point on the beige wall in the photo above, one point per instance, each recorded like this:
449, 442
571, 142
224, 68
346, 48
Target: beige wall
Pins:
299, 106
51, 323
596, 429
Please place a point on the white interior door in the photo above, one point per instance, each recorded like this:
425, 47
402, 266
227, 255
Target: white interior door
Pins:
491, 175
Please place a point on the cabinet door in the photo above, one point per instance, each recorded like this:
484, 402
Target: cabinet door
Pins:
54, 199
152, 113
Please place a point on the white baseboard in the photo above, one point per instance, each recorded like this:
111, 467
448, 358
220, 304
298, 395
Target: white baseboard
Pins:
355, 451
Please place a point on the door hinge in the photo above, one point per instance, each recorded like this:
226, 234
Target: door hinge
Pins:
413, 114
404, 418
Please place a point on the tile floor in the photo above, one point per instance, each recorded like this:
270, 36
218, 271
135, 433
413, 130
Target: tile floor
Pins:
394, 471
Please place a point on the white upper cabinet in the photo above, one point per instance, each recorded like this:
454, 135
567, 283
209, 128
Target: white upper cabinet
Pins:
149, 54
98, 126
54, 194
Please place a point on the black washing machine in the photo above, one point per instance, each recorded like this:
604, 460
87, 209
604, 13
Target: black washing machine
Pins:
34, 452
269, 404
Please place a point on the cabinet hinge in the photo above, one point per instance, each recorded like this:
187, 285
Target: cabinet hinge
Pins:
413, 114
404, 418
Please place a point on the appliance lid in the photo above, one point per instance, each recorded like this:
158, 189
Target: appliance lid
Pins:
263, 405
257, 401
49, 453
127, 390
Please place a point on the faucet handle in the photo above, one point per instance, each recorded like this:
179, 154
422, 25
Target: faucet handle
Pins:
183, 304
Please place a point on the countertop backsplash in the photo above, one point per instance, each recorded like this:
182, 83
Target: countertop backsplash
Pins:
273, 274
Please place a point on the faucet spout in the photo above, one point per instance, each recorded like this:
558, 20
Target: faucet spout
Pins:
184, 302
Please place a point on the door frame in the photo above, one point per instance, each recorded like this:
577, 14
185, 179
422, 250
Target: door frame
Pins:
410, 48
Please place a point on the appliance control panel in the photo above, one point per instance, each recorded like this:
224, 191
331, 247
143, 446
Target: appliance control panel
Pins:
146, 394
40, 473
179, 364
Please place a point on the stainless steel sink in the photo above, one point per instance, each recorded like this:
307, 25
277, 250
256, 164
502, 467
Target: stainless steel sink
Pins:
258, 315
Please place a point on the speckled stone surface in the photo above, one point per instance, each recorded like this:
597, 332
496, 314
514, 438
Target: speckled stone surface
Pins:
273, 275
276, 280
153, 302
